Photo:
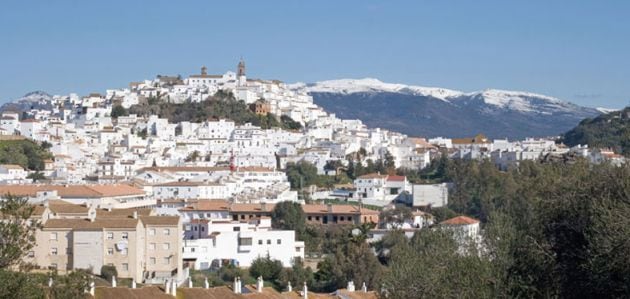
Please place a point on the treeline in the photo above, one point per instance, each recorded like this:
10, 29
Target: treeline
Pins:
607, 130
550, 230
25, 153
303, 174
222, 105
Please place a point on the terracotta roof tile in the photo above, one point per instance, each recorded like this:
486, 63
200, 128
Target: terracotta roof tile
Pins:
460, 220
73, 191
85, 224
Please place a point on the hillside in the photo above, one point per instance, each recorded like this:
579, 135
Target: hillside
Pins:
429, 111
607, 130
32, 100
219, 106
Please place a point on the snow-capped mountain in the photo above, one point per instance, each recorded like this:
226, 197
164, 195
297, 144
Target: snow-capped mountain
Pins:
348, 86
432, 111
31, 100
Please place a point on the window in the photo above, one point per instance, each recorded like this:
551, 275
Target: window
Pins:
260, 242
110, 236
268, 242
341, 218
152, 261
309, 218
166, 246
110, 251
125, 267
152, 232
167, 260
53, 251
151, 246
317, 218
195, 228
297, 249
236, 229
167, 232
244, 241
278, 241
124, 251
203, 229
125, 236
53, 266
243, 217
53, 236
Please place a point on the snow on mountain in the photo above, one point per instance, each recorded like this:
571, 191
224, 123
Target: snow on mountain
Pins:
348, 86
31, 100
429, 111
522, 101
501, 99
606, 110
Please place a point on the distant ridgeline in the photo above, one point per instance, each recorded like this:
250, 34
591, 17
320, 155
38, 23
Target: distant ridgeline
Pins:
23, 152
607, 130
221, 105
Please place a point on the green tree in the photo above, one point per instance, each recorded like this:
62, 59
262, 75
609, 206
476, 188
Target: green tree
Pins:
430, 266
119, 110
36, 176
396, 215
107, 272
17, 285
17, 230
289, 124
288, 215
71, 285
298, 274
266, 267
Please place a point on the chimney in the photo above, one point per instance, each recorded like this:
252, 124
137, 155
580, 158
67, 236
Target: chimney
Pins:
167, 287
113, 281
135, 214
305, 291
190, 283
133, 283
259, 284
174, 288
289, 287
330, 208
92, 288
364, 288
350, 286
206, 284
235, 287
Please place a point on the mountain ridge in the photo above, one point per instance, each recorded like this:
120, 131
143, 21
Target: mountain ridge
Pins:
434, 111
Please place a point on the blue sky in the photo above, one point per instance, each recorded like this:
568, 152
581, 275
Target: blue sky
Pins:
575, 50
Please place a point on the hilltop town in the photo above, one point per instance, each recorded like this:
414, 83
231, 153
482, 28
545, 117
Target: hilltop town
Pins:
174, 176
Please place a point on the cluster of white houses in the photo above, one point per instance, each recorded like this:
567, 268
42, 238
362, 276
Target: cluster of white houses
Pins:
155, 198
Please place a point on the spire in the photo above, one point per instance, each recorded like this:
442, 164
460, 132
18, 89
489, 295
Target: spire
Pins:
204, 70
241, 68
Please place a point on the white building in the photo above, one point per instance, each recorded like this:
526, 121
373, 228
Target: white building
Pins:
209, 243
433, 195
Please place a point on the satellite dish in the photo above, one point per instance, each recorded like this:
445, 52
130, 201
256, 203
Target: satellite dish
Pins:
121, 245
